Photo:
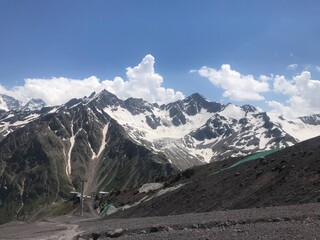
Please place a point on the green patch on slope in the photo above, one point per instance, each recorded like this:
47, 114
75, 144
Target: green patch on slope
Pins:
247, 159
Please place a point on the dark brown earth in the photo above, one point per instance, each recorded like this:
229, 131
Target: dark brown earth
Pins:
288, 177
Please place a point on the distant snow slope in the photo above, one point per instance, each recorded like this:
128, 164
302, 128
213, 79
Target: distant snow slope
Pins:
165, 130
167, 137
296, 128
232, 111
207, 136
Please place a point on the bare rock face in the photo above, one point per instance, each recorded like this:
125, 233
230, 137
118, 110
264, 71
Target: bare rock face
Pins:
313, 119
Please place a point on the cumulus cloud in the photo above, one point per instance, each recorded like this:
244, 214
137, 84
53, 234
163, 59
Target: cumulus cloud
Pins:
55, 90
235, 85
281, 85
142, 82
303, 95
265, 78
279, 108
3, 89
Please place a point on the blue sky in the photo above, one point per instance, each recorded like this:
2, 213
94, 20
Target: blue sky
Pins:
57, 43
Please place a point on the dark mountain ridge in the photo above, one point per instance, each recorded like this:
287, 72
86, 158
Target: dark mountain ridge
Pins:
49, 157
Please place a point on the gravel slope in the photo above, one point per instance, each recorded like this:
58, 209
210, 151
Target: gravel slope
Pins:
287, 177
286, 222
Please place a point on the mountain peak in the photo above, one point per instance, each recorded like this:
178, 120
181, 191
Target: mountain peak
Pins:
9, 103
195, 103
33, 104
104, 93
195, 97
105, 99
249, 108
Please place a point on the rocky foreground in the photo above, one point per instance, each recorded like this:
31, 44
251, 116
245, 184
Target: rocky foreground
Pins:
287, 222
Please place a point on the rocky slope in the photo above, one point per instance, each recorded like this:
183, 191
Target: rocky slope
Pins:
287, 177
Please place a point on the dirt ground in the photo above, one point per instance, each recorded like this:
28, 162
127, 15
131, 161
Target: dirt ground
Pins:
287, 222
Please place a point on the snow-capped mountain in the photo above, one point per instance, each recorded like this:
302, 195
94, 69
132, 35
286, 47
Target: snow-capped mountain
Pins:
14, 115
189, 132
116, 144
34, 104
46, 154
9, 103
195, 131
301, 128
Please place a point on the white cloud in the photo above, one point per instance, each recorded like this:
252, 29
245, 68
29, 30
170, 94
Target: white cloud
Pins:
278, 107
292, 67
303, 95
55, 90
281, 85
3, 90
235, 85
318, 68
264, 78
143, 82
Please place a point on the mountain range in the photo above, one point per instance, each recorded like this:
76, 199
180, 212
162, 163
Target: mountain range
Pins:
8, 103
109, 143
